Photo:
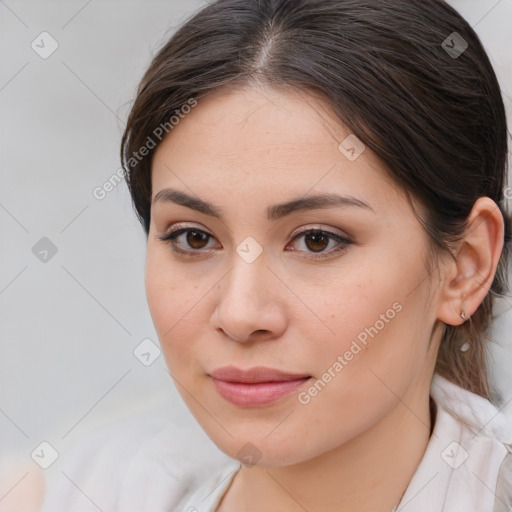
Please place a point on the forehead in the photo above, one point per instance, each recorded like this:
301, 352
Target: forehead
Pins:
255, 139
249, 117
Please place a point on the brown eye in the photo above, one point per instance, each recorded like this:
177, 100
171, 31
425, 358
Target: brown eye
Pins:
189, 241
316, 241
197, 239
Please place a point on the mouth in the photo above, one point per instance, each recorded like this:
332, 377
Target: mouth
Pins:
255, 387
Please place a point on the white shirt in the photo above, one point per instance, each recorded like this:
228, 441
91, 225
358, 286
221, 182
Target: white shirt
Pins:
467, 467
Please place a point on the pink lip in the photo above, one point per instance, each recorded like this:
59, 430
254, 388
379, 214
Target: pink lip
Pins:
255, 387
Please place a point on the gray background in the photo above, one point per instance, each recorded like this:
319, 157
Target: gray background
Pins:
69, 325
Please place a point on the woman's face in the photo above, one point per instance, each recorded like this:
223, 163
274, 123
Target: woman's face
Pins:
345, 312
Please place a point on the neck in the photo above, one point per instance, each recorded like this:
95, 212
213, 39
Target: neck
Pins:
370, 473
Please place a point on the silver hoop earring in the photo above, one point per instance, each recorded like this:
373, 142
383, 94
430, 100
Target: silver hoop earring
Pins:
463, 315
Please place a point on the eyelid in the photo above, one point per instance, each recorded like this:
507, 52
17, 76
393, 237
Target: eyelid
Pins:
185, 225
320, 227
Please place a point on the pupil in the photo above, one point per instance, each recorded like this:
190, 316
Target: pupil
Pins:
195, 239
317, 238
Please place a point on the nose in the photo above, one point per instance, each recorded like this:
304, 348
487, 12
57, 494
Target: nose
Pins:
250, 303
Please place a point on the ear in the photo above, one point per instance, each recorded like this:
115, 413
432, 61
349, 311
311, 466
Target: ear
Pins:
469, 276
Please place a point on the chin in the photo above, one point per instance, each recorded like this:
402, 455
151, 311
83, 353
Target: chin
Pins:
254, 449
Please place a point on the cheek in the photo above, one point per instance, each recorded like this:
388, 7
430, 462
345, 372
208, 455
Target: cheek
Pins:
178, 299
174, 296
360, 371
369, 326
346, 303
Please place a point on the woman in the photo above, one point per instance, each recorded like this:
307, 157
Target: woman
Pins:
322, 188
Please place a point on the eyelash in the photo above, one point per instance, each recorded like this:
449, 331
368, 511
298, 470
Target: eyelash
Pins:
170, 239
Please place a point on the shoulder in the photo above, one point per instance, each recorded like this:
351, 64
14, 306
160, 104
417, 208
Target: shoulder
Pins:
143, 464
207, 496
467, 463
503, 501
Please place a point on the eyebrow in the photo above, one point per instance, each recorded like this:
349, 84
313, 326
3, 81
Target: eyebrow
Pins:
274, 212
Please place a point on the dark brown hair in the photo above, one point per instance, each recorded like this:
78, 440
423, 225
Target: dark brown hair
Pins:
393, 71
